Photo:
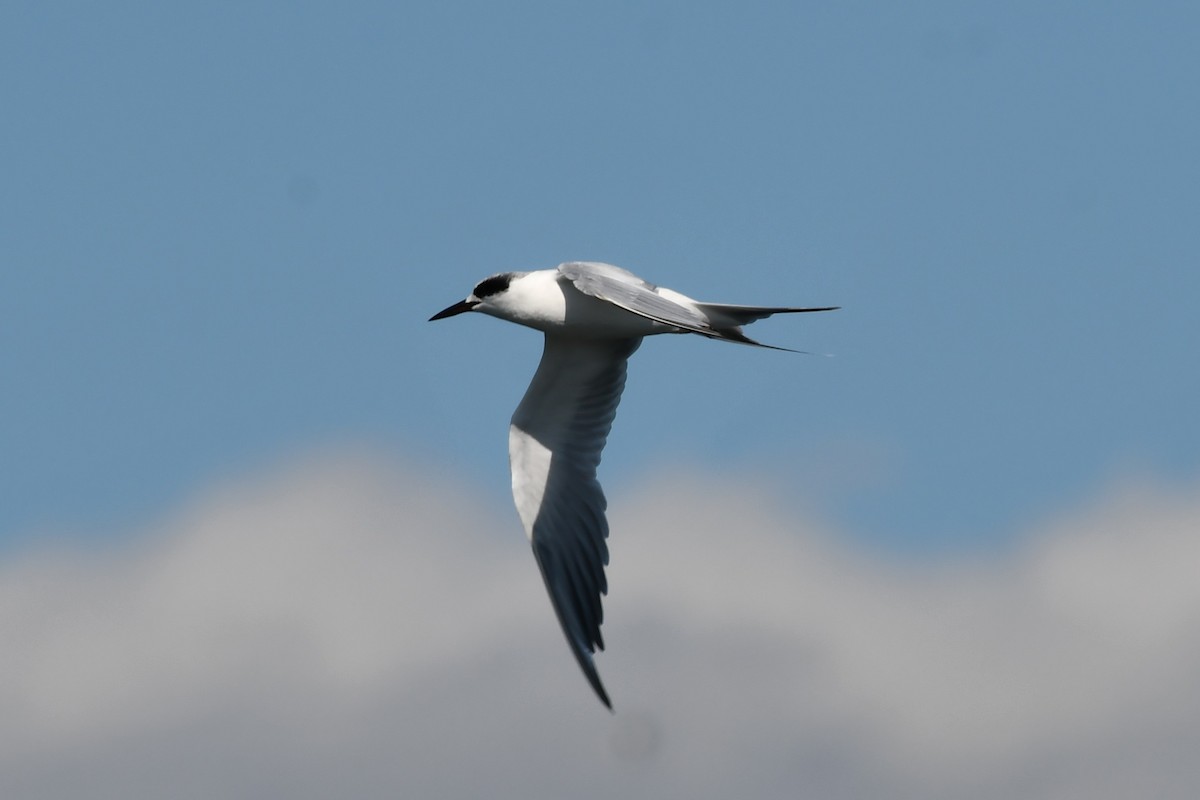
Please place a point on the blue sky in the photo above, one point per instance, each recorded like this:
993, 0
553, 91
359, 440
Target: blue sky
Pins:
224, 226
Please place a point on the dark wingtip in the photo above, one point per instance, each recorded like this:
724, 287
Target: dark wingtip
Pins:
593, 677
578, 642
604, 699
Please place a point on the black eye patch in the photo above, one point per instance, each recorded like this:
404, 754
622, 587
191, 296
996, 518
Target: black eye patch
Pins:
493, 285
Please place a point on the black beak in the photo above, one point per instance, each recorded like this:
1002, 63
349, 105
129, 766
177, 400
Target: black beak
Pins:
458, 308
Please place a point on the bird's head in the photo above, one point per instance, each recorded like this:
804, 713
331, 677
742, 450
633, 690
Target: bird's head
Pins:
484, 292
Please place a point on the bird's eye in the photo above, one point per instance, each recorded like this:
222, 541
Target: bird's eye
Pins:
493, 285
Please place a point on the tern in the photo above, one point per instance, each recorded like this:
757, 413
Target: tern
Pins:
594, 317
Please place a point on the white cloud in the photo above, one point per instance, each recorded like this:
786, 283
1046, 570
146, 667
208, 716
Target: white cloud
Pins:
354, 628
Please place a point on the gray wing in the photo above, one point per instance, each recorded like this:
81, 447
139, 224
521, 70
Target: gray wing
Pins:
554, 446
626, 290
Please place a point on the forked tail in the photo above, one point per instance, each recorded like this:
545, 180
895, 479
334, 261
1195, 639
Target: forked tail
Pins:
727, 320
744, 315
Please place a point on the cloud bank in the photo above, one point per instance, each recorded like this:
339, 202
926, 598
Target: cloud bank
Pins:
349, 627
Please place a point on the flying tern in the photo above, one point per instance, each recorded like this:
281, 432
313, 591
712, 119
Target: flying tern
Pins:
594, 317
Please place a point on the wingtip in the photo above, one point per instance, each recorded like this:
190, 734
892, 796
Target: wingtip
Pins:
607, 703
593, 678
588, 665
578, 642
584, 656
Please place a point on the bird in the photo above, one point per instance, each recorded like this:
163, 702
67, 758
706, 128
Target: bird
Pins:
594, 316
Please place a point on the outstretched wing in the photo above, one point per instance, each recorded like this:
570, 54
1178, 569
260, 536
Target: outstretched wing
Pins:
554, 446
